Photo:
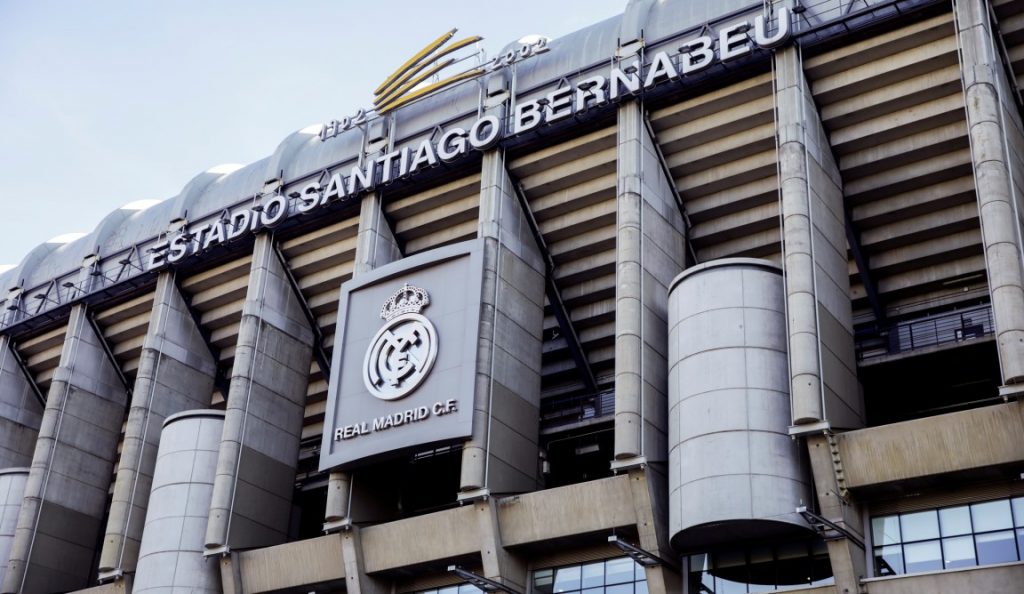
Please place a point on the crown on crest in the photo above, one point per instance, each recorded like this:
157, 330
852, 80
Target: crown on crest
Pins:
408, 299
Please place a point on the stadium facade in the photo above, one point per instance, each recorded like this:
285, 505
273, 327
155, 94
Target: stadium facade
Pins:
707, 297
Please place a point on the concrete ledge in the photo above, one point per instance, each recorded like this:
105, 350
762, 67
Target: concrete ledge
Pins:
575, 509
965, 440
311, 561
122, 586
1005, 578
440, 535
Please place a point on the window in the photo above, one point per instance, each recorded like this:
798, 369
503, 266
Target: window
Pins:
764, 568
949, 538
456, 589
612, 576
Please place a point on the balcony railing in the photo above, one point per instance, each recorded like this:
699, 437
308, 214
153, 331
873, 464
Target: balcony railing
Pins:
945, 328
560, 412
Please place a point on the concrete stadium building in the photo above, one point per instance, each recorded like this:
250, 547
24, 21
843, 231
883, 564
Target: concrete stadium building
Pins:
709, 297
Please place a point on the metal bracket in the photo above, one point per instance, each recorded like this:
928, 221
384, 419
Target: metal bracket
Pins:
28, 374
554, 295
90, 316
485, 584
222, 384
828, 529
319, 351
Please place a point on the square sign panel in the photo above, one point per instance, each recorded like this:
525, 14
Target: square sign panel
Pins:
405, 356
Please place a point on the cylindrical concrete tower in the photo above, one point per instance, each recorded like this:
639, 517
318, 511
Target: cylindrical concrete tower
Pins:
12, 488
171, 552
734, 472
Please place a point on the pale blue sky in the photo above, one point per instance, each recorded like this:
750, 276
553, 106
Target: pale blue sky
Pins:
107, 102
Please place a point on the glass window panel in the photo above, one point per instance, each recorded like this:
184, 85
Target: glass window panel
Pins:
448, 590
567, 579
723, 586
700, 576
1020, 541
599, 590
469, 589
919, 526
997, 547
618, 571
885, 530
889, 560
543, 580
731, 571
922, 556
593, 575
640, 587
993, 515
1018, 511
639, 573
955, 521
619, 589
958, 552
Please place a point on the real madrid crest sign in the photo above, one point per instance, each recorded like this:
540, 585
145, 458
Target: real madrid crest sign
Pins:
403, 351
408, 381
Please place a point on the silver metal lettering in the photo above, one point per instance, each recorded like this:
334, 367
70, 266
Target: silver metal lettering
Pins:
179, 248
559, 104
733, 42
785, 31
387, 164
452, 145
216, 235
661, 68
361, 179
424, 156
590, 89
696, 55
239, 224
274, 211
335, 189
308, 198
629, 78
527, 116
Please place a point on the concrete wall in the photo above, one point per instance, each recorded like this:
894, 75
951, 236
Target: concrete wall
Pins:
175, 373
20, 411
252, 493
171, 552
65, 499
12, 489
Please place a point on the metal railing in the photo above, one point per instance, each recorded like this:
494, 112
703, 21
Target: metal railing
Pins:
945, 328
561, 412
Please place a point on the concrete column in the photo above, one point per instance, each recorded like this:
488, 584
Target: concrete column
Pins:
175, 374
824, 388
647, 493
501, 456
252, 492
12, 490
375, 246
356, 579
849, 562
821, 350
498, 563
61, 514
996, 145
649, 254
20, 411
